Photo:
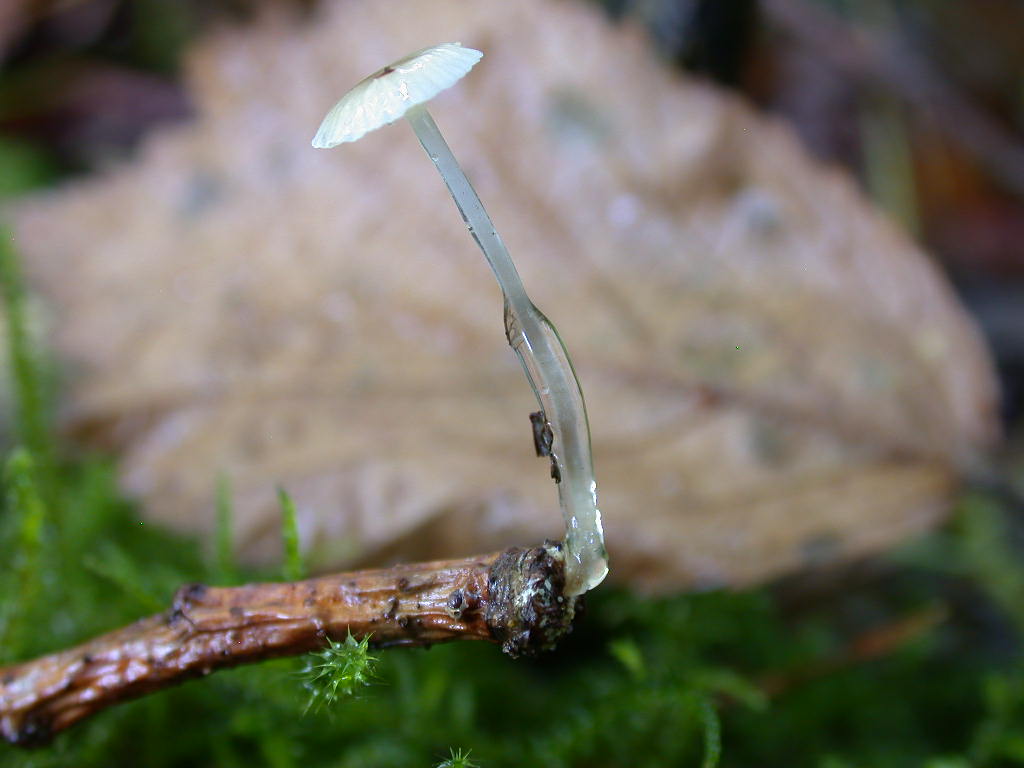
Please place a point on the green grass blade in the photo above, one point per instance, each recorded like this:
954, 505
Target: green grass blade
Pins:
294, 567
712, 730
25, 577
115, 566
225, 566
29, 401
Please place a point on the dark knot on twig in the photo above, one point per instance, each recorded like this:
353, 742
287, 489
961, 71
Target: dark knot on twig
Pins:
528, 611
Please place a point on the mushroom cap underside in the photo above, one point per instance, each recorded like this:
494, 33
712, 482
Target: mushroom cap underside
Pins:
390, 92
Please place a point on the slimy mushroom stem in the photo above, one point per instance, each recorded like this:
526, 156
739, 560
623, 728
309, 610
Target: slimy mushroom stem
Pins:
525, 599
547, 365
400, 90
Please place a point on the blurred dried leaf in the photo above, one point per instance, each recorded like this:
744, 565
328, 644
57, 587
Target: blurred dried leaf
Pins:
775, 376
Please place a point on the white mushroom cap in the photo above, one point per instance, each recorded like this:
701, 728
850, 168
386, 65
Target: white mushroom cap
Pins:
389, 93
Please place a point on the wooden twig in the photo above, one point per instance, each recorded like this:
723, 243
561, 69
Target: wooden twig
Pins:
512, 597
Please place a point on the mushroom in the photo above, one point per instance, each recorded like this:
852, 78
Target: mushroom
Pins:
400, 90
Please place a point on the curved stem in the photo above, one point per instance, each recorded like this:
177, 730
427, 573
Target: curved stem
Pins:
547, 366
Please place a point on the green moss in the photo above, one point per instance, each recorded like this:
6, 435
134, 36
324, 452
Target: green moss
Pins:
457, 759
225, 566
24, 541
338, 671
294, 566
733, 679
23, 368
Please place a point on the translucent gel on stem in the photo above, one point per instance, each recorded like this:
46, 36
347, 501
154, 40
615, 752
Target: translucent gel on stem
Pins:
547, 366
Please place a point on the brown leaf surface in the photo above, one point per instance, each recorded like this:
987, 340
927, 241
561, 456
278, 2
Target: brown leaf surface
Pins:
774, 375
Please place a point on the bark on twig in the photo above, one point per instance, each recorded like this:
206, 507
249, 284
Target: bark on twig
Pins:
512, 597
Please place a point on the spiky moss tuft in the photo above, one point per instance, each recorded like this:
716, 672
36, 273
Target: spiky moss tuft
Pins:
338, 671
457, 759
